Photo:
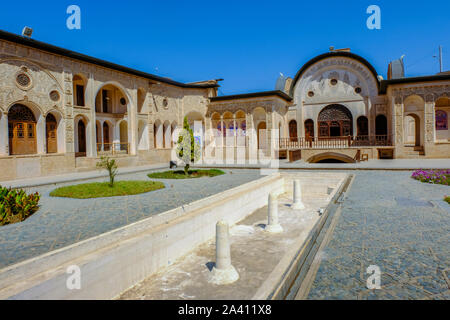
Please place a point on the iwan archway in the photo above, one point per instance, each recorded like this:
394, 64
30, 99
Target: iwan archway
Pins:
335, 121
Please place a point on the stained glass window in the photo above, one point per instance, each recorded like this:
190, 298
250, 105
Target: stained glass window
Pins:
441, 120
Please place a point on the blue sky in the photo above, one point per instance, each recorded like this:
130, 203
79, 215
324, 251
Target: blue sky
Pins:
248, 43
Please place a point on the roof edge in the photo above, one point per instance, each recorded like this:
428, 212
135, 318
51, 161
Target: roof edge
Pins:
438, 77
259, 94
329, 55
11, 37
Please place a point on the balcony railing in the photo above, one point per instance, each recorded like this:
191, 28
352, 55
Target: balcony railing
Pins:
113, 148
335, 142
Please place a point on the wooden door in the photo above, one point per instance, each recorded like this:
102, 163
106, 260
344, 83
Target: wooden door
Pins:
309, 130
22, 138
21, 130
293, 130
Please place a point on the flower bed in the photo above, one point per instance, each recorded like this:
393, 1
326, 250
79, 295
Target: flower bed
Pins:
182, 175
433, 176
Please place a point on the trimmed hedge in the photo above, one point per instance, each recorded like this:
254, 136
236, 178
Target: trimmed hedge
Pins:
16, 205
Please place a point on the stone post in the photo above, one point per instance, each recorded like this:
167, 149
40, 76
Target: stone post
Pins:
223, 272
273, 225
297, 196
4, 133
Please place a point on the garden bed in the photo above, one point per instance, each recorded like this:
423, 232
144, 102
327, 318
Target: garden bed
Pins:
433, 176
103, 190
179, 174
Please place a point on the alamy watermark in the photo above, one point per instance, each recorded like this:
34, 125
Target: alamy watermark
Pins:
374, 20
374, 280
73, 281
74, 20
232, 147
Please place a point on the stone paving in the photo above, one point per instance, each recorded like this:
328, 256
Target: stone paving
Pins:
61, 222
373, 164
396, 223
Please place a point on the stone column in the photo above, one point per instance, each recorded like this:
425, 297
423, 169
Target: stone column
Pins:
68, 118
91, 134
41, 140
4, 134
209, 133
223, 272
222, 130
101, 136
234, 131
250, 137
398, 123
133, 122
273, 226
298, 204
430, 124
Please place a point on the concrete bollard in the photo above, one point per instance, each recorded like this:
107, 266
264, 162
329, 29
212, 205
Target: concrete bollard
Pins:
223, 272
298, 204
273, 226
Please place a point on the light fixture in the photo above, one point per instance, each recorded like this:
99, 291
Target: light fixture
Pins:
27, 32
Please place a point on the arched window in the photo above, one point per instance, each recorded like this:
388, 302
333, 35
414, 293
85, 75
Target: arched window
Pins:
441, 120
22, 130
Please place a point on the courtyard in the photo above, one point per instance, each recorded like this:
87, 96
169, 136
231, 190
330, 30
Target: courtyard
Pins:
388, 219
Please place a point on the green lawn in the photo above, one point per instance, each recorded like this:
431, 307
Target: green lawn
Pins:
102, 189
179, 174
447, 199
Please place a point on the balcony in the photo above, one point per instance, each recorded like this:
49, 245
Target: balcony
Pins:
336, 142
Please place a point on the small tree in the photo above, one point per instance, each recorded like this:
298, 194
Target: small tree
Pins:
111, 166
188, 150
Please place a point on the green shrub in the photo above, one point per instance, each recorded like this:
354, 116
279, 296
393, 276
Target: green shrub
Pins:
188, 150
16, 205
111, 166
447, 199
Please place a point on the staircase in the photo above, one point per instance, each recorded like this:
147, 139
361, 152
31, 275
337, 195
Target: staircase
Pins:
414, 151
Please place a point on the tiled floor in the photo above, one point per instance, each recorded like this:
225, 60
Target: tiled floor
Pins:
396, 223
